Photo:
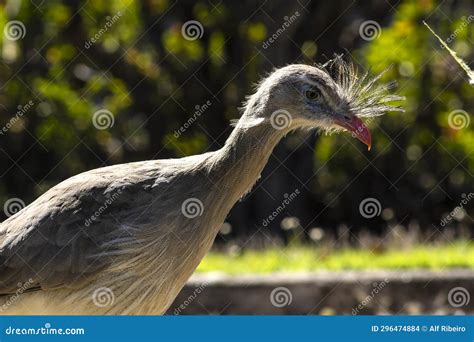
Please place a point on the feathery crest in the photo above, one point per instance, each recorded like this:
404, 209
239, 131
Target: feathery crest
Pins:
364, 95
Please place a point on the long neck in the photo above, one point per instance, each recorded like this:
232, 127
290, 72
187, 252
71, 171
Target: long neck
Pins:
239, 163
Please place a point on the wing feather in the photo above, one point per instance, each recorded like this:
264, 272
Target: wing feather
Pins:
54, 242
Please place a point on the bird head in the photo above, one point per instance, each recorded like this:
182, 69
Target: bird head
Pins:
331, 98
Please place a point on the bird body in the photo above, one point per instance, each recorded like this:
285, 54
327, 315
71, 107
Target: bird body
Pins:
124, 239
119, 254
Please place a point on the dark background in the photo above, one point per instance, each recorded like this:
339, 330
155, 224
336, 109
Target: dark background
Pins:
144, 72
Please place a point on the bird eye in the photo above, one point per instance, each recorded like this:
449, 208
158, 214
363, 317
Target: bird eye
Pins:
313, 94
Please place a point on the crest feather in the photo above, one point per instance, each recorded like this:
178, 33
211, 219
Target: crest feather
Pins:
365, 96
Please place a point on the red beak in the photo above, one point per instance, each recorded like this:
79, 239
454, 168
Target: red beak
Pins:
358, 129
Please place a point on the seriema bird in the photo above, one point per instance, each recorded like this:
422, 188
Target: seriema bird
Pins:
124, 239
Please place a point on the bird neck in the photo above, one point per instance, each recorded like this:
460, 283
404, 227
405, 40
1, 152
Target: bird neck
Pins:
239, 163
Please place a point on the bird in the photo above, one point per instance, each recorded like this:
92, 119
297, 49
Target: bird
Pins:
124, 239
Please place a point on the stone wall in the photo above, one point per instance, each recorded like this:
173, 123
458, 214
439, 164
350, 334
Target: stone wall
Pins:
367, 292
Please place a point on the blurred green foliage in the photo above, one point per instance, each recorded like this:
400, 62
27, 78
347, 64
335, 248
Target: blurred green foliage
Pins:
143, 70
303, 258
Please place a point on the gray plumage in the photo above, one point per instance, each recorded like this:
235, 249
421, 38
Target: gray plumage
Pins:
132, 234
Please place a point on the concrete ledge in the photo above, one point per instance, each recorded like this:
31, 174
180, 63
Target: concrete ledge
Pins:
348, 292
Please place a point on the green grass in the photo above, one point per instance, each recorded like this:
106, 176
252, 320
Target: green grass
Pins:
293, 259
